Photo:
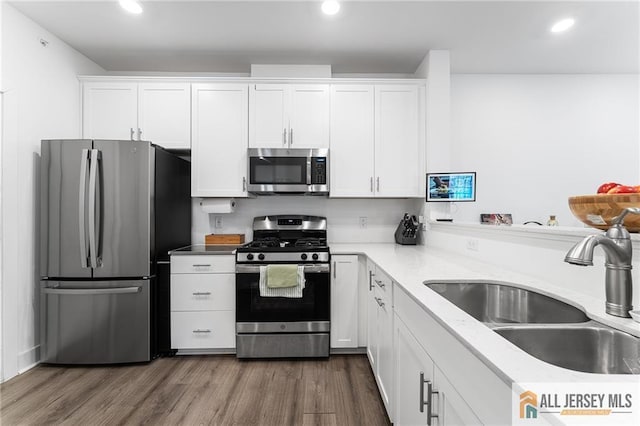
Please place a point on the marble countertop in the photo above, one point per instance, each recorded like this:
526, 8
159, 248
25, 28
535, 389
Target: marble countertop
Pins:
206, 249
410, 266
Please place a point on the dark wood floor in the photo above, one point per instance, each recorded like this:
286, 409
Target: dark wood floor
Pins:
198, 390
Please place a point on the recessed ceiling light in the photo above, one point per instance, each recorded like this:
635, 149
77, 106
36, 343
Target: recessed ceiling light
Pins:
131, 6
562, 25
330, 7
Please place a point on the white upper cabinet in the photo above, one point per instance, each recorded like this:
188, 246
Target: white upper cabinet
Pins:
309, 116
399, 141
377, 141
110, 110
220, 140
157, 112
289, 116
164, 114
269, 122
352, 151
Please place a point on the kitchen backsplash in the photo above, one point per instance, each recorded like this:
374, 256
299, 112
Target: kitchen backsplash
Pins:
343, 216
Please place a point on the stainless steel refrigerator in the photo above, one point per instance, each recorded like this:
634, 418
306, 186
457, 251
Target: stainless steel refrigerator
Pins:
110, 211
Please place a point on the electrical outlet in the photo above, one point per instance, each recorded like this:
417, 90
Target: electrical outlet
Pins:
218, 221
472, 244
363, 222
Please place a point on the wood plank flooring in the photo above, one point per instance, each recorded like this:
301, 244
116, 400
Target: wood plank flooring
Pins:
198, 390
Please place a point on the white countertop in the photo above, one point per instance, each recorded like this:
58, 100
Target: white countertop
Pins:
410, 266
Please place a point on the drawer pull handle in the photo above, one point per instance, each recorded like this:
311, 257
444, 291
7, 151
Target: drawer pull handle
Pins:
422, 401
430, 393
202, 293
380, 283
202, 265
202, 331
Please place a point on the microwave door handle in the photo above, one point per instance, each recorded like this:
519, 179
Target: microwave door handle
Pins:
308, 170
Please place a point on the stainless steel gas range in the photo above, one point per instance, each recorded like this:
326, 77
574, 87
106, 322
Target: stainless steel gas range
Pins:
291, 322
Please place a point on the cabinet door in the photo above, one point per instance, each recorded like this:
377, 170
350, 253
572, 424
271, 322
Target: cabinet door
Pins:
309, 116
372, 319
219, 144
352, 141
385, 353
268, 122
164, 114
344, 302
451, 408
398, 142
109, 110
413, 366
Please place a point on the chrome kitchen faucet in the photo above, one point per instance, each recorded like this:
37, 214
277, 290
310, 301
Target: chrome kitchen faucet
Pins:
616, 243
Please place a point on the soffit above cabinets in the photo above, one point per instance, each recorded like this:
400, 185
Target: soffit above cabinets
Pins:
365, 37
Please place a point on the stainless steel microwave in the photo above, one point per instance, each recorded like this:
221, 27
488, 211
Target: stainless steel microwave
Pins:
288, 171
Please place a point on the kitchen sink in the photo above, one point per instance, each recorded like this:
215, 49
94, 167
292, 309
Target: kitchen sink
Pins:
501, 303
591, 348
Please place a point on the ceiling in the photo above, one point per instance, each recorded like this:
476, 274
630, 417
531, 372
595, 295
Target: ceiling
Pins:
364, 37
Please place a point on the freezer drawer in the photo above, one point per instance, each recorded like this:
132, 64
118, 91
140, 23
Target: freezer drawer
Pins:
99, 322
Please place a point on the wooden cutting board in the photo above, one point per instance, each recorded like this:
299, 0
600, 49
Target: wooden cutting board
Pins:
212, 239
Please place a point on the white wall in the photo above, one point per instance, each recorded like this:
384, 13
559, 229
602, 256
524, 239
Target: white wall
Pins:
42, 100
535, 140
383, 216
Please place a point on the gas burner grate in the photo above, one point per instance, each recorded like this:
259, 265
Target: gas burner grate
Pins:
310, 242
264, 243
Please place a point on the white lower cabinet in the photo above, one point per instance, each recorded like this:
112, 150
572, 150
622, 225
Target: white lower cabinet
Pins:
424, 396
380, 333
344, 301
203, 303
203, 330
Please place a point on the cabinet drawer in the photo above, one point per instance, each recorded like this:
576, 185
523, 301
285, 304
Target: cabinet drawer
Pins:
203, 292
202, 264
203, 330
384, 284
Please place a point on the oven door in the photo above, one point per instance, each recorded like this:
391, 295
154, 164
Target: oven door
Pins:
254, 313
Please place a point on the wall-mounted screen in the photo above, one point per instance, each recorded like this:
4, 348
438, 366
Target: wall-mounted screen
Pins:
451, 186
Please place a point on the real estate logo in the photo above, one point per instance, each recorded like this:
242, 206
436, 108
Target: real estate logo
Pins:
579, 403
528, 405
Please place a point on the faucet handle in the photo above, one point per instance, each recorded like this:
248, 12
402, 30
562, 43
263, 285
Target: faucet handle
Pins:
619, 220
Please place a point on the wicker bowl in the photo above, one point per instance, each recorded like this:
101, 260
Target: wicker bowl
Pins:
599, 210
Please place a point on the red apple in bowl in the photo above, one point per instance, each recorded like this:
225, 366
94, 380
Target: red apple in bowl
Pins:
606, 187
622, 189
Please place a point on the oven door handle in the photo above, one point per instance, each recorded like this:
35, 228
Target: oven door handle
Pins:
308, 269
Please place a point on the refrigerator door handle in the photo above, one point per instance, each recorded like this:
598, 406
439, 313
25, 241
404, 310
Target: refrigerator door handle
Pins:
82, 205
91, 291
94, 206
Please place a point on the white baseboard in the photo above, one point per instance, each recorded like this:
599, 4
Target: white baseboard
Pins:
28, 359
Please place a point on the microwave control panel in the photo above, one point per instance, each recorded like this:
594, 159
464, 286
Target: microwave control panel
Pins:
319, 171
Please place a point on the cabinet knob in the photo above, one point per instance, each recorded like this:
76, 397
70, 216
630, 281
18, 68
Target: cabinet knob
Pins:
244, 184
131, 132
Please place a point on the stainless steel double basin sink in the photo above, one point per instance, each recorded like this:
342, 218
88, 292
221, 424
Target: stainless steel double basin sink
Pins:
544, 327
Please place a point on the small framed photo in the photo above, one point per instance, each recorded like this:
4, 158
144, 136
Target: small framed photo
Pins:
496, 218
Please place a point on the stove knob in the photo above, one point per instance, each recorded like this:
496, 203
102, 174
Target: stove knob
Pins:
315, 256
261, 256
303, 256
250, 256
